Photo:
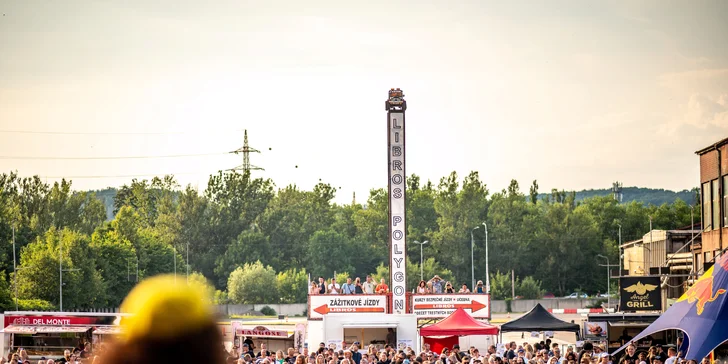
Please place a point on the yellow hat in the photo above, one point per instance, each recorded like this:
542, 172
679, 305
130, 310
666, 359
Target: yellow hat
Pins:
161, 308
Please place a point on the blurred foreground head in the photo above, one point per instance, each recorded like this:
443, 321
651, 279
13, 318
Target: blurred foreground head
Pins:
169, 322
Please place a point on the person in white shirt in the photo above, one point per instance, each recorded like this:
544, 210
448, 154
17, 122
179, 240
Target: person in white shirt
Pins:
368, 286
671, 355
476, 358
334, 287
464, 289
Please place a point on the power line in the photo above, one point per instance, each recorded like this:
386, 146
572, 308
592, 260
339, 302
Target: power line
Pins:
108, 158
125, 175
208, 131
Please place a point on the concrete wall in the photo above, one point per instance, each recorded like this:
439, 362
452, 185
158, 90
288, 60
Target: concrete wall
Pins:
295, 309
499, 306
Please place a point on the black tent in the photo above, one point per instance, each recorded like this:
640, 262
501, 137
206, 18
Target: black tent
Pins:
538, 319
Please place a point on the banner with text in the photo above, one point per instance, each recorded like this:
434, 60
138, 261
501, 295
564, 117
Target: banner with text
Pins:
397, 227
640, 293
443, 305
319, 306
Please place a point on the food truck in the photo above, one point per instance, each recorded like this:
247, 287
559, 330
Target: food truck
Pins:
275, 337
616, 329
50, 333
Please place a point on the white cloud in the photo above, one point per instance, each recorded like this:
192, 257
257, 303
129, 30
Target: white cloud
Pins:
699, 98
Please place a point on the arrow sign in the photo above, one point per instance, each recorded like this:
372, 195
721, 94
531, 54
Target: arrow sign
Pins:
324, 309
473, 306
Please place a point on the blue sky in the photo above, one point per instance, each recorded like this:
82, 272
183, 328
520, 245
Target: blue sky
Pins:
575, 94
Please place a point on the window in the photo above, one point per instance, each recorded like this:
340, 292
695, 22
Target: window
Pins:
706, 207
725, 201
716, 204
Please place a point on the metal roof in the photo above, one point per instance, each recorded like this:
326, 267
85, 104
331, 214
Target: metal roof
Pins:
712, 147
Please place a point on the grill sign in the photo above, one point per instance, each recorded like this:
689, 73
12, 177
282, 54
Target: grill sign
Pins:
640, 294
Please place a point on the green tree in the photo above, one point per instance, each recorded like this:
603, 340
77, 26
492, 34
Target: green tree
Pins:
529, 288
196, 278
39, 277
372, 231
500, 285
534, 192
249, 247
330, 251
116, 262
6, 300
459, 211
292, 285
253, 283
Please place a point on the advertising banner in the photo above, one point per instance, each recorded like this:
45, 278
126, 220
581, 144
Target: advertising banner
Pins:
299, 337
442, 305
397, 228
319, 306
48, 320
260, 331
640, 294
595, 329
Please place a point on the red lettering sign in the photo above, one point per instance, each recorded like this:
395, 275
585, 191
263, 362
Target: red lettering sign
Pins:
27, 320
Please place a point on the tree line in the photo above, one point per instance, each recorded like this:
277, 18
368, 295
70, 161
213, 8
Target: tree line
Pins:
255, 243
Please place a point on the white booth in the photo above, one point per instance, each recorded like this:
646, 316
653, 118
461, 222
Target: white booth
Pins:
366, 328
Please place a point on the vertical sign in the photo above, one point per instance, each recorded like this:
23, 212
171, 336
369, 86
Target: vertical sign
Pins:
397, 230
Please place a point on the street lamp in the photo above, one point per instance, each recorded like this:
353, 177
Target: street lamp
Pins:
421, 245
608, 281
487, 271
472, 256
60, 275
472, 262
620, 249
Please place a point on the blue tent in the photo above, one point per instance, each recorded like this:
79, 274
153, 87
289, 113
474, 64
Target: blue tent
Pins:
701, 313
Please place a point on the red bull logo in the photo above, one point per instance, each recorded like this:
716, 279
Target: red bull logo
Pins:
723, 262
702, 291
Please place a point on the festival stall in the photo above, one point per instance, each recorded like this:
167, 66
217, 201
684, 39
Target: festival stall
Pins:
701, 313
274, 338
539, 320
447, 332
50, 333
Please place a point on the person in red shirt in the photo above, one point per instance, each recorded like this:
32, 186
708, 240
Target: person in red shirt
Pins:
382, 287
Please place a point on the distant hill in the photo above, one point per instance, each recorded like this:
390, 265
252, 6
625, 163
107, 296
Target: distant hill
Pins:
648, 196
645, 195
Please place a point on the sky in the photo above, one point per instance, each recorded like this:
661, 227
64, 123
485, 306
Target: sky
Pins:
574, 94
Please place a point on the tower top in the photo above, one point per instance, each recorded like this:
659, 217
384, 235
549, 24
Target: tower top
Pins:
395, 101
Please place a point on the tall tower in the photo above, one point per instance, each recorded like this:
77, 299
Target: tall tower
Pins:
246, 150
617, 191
395, 107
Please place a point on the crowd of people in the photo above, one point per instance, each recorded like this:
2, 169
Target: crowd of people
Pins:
543, 352
436, 285
75, 356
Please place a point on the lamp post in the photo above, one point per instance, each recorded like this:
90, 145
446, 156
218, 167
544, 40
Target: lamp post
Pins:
421, 257
650, 244
472, 256
60, 275
15, 271
487, 270
608, 281
619, 234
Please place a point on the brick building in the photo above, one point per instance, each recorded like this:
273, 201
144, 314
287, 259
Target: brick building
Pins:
713, 202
